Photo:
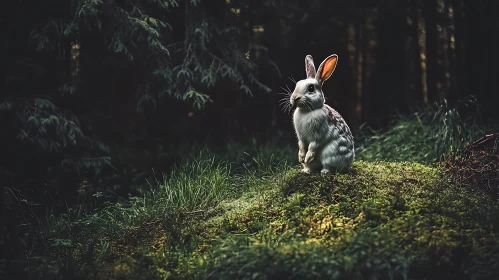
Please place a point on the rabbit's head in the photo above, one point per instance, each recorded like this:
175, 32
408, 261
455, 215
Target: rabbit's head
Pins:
308, 93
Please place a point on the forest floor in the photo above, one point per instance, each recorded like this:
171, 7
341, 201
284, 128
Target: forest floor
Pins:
382, 220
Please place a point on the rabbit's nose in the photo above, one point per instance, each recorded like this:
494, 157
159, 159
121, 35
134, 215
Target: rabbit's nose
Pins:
295, 101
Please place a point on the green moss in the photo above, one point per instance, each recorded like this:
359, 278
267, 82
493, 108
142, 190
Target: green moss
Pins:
381, 220
384, 219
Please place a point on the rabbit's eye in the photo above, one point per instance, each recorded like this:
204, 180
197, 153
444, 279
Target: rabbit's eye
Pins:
311, 88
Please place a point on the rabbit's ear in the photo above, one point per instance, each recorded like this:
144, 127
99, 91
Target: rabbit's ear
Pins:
310, 67
326, 68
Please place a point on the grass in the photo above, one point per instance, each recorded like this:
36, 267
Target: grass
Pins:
198, 185
257, 216
427, 136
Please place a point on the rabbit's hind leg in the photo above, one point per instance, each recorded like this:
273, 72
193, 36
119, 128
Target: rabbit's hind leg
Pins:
333, 161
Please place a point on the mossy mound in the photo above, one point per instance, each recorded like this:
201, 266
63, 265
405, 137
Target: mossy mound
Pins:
383, 220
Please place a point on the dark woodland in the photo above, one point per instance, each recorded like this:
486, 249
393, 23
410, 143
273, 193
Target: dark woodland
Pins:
98, 97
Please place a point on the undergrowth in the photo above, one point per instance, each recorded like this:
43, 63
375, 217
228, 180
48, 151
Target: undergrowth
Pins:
427, 136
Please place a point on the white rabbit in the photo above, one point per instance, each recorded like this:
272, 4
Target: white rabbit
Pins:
324, 139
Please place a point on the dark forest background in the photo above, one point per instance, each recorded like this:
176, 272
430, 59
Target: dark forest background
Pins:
93, 92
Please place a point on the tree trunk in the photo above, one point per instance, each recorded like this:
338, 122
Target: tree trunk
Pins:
453, 93
477, 49
442, 51
360, 63
430, 14
418, 92
460, 33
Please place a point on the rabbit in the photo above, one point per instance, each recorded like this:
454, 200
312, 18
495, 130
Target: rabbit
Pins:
324, 139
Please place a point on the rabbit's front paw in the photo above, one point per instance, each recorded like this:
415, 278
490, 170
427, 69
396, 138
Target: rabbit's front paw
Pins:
301, 157
309, 157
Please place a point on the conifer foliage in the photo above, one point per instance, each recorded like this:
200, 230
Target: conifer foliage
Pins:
173, 48
145, 34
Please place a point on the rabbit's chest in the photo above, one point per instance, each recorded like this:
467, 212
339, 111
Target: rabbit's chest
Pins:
310, 126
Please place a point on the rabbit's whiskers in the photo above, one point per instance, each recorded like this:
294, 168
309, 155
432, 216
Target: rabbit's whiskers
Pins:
285, 102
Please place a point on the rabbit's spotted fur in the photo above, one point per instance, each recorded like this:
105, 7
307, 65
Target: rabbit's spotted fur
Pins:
324, 139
